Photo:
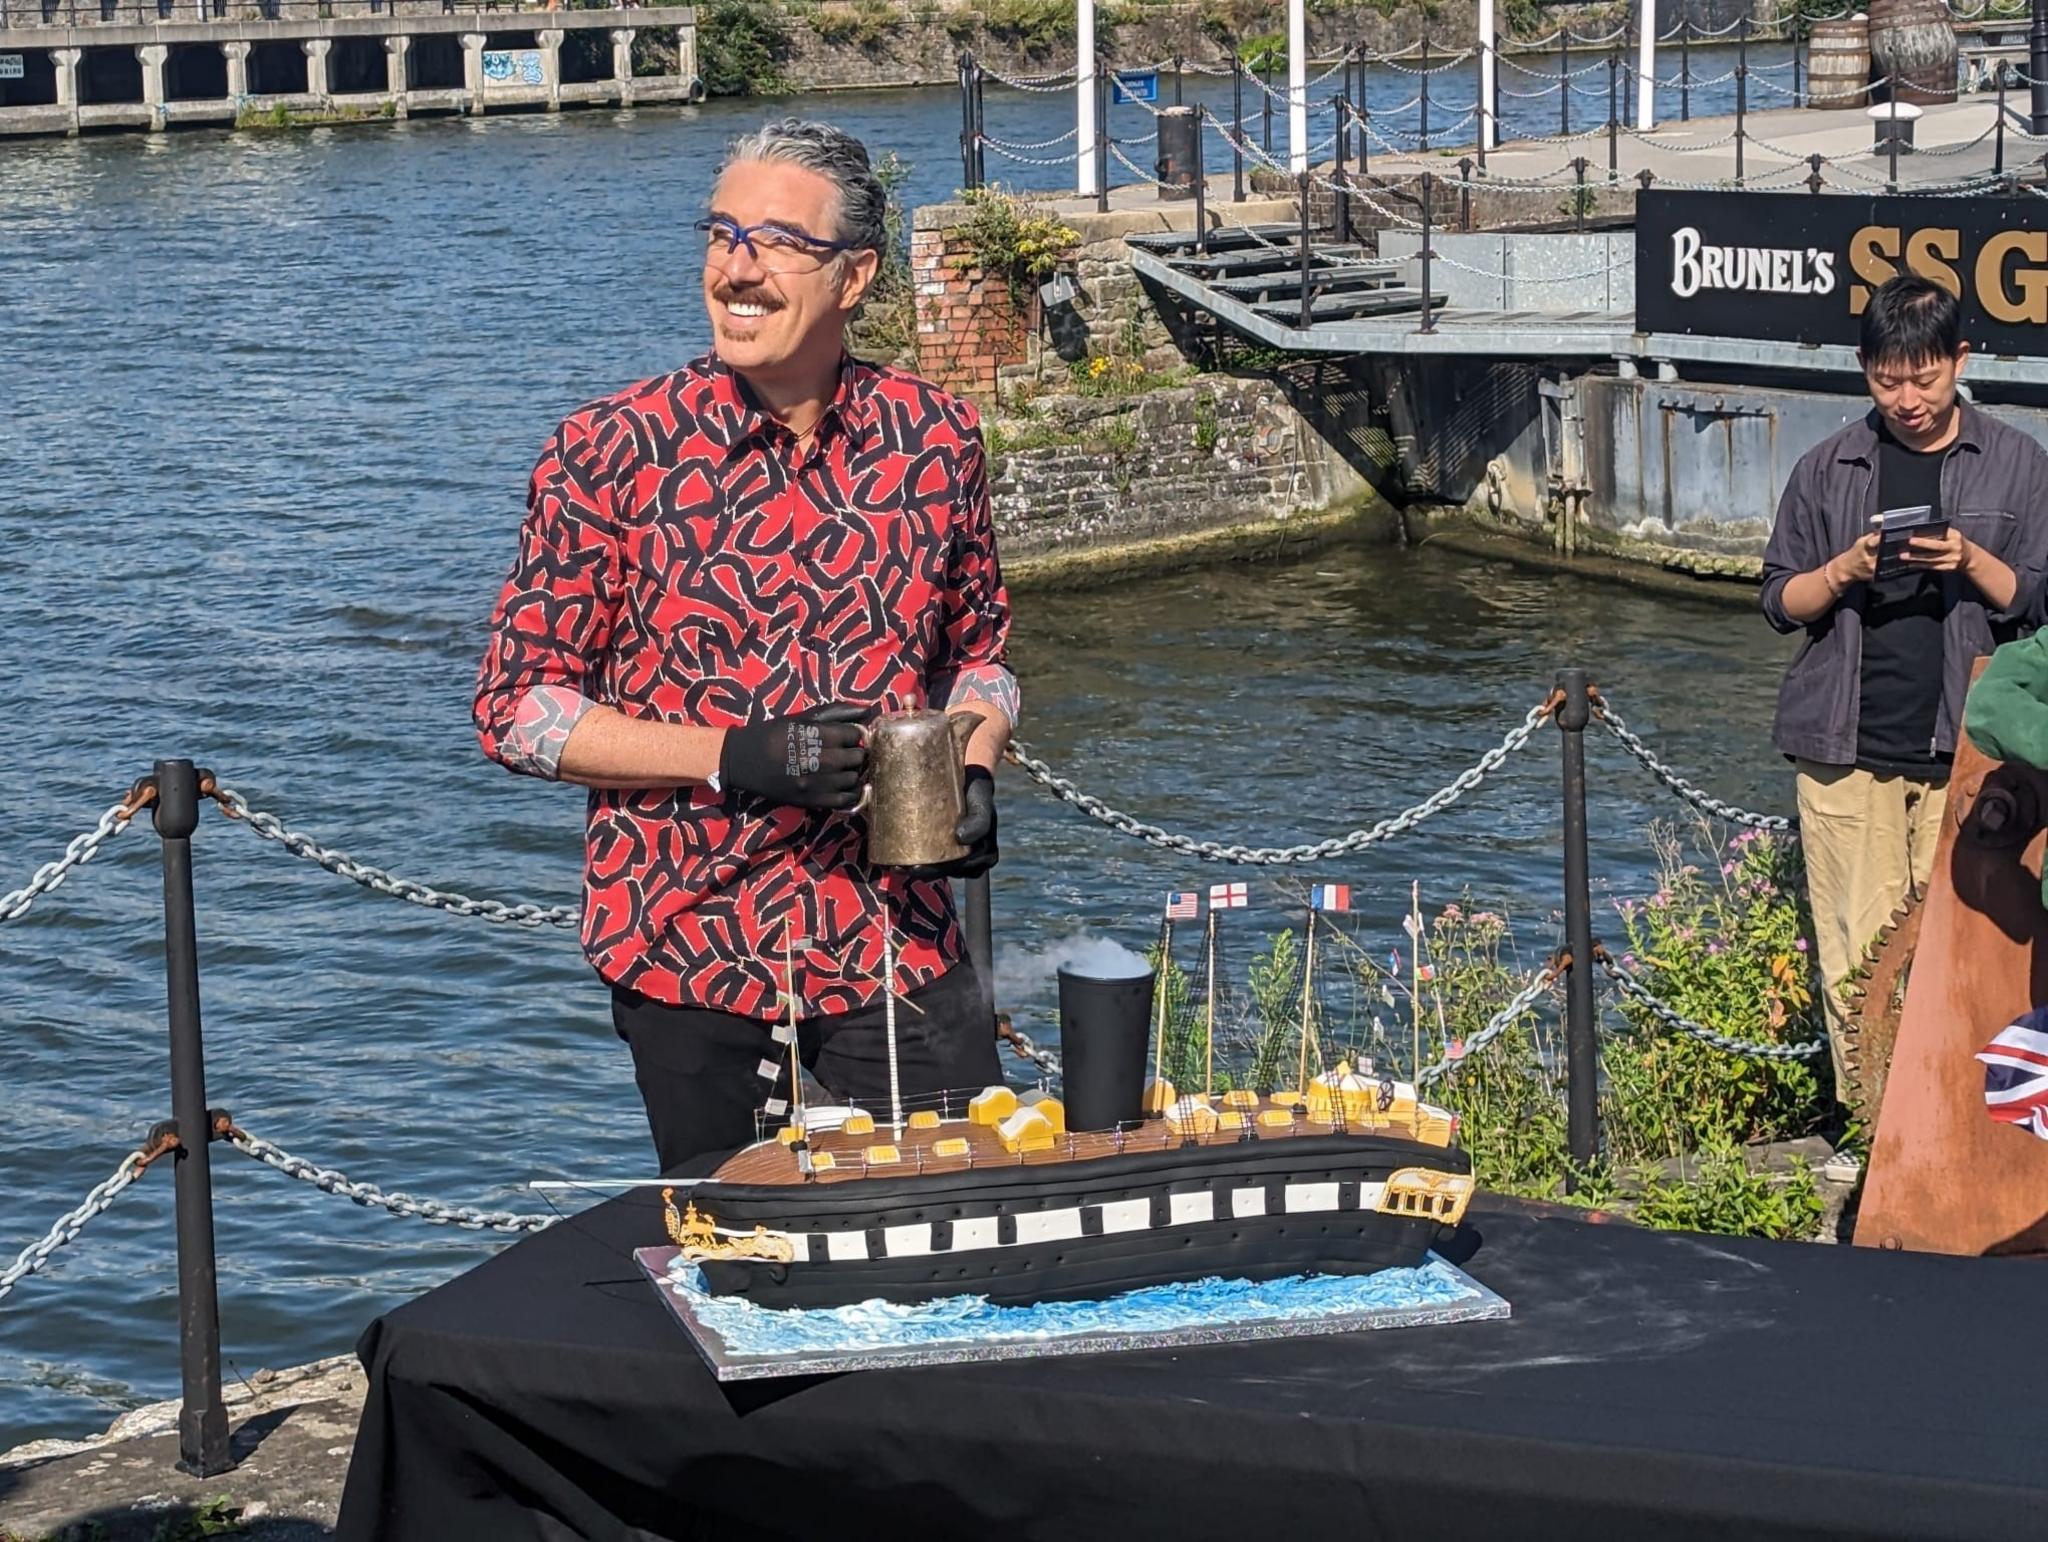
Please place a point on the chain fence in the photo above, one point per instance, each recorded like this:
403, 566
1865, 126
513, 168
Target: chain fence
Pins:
82, 848
1308, 851
1522, 1002
332, 1181
1756, 1049
98, 1199
1690, 792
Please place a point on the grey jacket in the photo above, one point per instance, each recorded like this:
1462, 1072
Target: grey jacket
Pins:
1994, 489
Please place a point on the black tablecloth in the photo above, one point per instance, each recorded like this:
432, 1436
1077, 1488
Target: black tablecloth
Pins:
1648, 1385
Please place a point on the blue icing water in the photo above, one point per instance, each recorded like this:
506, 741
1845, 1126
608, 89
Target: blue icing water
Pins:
749, 1329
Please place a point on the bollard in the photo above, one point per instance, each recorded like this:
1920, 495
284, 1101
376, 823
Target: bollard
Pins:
1307, 251
202, 1417
1582, 1045
1201, 183
1813, 178
1425, 93
1237, 139
981, 948
977, 76
1564, 79
1178, 141
965, 62
1741, 91
1465, 193
1579, 194
1428, 309
1685, 70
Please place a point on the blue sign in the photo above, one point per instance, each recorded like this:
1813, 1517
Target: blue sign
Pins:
1136, 86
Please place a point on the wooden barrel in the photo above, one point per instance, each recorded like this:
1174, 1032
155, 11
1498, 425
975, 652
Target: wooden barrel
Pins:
1914, 43
1838, 63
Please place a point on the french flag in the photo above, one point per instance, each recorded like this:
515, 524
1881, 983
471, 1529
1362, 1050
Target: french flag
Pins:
1228, 896
1330, 896
2016, 1073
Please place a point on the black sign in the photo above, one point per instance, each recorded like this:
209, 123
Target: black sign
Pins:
1800, 267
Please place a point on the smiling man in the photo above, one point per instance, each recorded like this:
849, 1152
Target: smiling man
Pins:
724, 572
1871, 705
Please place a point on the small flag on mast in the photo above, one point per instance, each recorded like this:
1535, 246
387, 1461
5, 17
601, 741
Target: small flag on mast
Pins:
1228, 896
1330, 896
1183, 906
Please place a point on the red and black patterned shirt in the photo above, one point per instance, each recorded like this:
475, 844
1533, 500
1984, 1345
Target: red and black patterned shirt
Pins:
682, 561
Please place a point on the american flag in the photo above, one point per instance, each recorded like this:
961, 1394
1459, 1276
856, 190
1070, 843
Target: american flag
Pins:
1330, 896
1183, 905
1228, 896
2016, 1073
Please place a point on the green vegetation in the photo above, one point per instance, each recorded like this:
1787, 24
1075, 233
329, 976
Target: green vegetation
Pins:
867, 25
885, 330
282, 117
1207, 430
741, 47
1035, 26
1006, 233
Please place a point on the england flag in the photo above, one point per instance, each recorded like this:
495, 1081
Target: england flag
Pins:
1183, 906
1330, 896
1228, 896
2016, 1073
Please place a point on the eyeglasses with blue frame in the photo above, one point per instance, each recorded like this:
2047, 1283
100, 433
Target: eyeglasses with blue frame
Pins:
778, 248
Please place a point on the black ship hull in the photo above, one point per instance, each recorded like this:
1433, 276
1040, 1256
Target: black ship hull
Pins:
1019, 1233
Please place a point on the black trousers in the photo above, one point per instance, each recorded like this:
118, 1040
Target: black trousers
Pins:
700, 1071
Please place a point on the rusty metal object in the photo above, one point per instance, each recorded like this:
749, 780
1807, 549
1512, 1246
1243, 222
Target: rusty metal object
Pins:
1877, 999
917, 768
1943, 1176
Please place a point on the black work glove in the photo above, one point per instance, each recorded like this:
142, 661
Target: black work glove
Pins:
976, 831
811, 760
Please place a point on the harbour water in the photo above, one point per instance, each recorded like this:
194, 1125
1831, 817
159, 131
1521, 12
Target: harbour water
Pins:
270, 405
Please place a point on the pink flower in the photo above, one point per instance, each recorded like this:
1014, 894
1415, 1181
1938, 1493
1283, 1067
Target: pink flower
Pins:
1452, 913
1800, 944
1455, 1049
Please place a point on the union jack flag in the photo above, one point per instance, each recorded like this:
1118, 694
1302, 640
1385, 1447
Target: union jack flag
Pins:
2016, 1073
1330, 896
1183, 906
1228, 896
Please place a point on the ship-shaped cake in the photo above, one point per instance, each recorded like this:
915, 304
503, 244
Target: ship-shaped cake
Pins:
989, 1192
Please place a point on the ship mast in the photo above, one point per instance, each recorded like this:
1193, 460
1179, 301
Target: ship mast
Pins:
1209, 1034
1308, 995
1159, 1044
889, 1017
796, 1071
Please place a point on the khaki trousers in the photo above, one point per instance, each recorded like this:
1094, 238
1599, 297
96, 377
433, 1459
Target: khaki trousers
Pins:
1868, 839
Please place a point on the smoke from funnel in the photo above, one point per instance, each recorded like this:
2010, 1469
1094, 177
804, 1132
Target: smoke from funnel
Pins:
1099, 958
1023, 976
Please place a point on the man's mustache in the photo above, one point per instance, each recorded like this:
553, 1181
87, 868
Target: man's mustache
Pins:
726, 294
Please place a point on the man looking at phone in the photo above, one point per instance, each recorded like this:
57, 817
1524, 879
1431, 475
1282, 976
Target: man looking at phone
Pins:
1894, 620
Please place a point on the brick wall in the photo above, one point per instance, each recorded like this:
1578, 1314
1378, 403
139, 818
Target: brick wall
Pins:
969, 324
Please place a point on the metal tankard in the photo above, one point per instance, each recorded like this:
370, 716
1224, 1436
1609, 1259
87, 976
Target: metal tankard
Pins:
916, 787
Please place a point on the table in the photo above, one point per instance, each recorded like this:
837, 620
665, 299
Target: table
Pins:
1650, 1384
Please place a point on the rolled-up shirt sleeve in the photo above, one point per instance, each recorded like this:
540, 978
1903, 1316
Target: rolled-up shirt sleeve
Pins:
553, 620
972, 662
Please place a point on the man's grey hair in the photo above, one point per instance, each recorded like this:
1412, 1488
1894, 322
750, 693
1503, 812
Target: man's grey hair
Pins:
834, 155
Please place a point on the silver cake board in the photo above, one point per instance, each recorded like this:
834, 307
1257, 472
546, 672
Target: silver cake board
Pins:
807, 1345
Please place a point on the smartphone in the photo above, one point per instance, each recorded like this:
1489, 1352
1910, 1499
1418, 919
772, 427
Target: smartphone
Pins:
1896, 529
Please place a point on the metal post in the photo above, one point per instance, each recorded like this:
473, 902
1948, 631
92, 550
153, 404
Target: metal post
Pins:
966, 63
1465, 192
1266, 105
1613, 117
202, 1417
1579, 194
1488, 125
1425, 93
1813, 178
1201, 183
1340, 197
1564, 78
1176, 80
980, 131
1237, 140
1998, 139
1891, 146
2037, 68
1307, 250
1798, 86
1103, 97
1582, 1049
1428, 310
1364, 131
1685, 70
1741, 91
981, 943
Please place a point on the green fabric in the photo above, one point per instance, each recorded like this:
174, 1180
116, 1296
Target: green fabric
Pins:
2006, 714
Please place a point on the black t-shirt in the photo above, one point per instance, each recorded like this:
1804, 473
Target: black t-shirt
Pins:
1902, 652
